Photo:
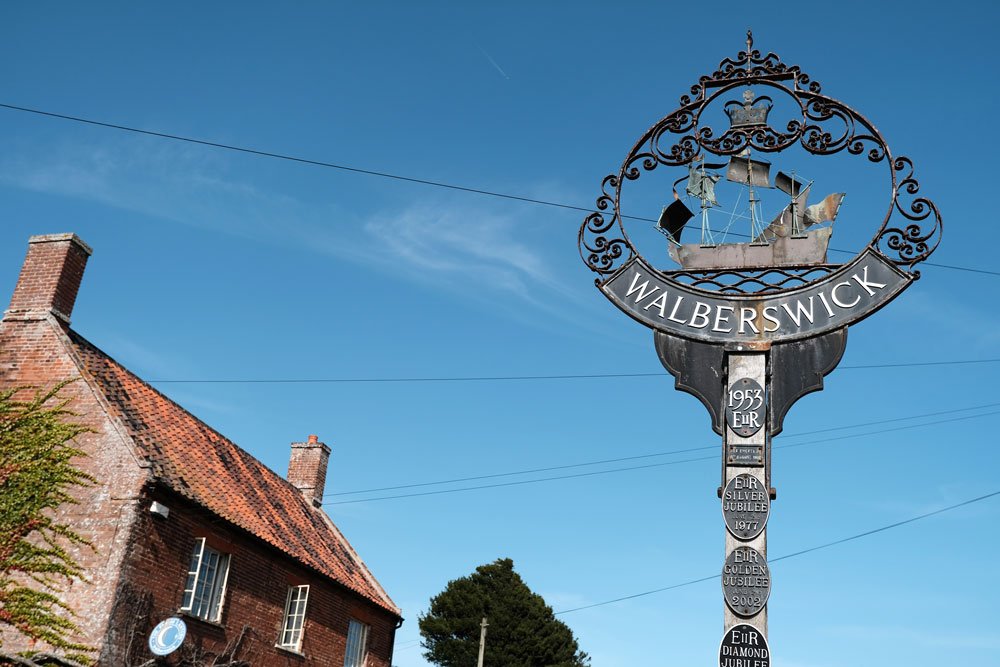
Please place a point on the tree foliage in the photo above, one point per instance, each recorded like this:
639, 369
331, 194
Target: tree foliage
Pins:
37, 475
523, 632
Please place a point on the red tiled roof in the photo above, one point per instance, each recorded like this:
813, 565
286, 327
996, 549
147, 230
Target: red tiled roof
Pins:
203, 465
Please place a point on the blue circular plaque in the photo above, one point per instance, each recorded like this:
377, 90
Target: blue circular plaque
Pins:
167, 636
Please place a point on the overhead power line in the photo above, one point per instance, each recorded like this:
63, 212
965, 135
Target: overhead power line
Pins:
652, 465
522, 378
513, 473
795, 554
371, 172
292, 158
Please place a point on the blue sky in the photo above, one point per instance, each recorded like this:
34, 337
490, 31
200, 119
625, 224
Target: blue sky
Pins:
215, 265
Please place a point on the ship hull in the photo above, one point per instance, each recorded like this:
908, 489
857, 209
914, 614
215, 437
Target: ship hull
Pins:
809, 248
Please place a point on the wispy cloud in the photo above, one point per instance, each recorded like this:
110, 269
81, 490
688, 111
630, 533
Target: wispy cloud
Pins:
493, 62
179, 183
489, 252
435, 241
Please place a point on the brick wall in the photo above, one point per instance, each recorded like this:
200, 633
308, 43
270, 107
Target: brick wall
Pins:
32, 354
50, 276
259, 576
307, 468
136, 572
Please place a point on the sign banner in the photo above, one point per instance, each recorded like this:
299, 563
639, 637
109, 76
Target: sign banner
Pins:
851, 293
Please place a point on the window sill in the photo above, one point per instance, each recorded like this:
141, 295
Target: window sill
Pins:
214, 624
290, 651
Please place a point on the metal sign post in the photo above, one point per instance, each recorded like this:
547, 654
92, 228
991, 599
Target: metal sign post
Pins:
751, 325
746, 495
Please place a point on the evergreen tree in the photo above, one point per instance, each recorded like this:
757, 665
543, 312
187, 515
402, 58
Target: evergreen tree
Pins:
523, 632
36, 477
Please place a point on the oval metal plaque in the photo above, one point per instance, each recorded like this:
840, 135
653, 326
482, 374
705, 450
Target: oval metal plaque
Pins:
746, 581
167, 636
744, 646
745, 407
745, 506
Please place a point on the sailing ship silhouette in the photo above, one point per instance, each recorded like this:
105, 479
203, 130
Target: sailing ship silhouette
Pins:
792, 238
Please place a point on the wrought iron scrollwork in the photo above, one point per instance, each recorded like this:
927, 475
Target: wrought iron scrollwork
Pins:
758, 282
750, 64
826, 126
910, 243
603, 245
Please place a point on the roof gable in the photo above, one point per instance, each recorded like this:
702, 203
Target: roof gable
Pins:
203, 465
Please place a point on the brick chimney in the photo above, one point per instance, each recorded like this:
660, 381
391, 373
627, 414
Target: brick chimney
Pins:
50, 278
307, 468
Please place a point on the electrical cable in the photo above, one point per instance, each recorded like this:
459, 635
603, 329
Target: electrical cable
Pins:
652, 465
372, 172
795, 553
301, 160
655, 454
502, 378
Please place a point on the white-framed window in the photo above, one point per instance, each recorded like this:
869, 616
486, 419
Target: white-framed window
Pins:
206, 582
357, 639
295, 618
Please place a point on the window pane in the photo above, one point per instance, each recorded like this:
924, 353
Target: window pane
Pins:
295, 612
192, 578
218, 588
357, 635
206, 581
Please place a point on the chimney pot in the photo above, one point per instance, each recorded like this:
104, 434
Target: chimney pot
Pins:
307, 468
50, 278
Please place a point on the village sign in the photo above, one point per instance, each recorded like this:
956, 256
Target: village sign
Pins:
752, 315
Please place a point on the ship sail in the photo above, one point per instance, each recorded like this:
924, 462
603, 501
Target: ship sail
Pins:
797, 217
826, 210
745, 170
672, 220
700, 184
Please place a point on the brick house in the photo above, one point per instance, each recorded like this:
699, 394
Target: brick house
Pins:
186, 523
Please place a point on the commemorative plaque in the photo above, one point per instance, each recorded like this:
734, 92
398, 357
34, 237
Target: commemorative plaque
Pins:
745, 416
742, 455
745, 506
746, 581
744, 645
745, 407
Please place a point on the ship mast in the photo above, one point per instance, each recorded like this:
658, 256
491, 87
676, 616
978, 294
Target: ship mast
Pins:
707, 238
748, 103
755, 226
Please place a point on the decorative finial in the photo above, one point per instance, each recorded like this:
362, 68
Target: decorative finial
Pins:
749, 41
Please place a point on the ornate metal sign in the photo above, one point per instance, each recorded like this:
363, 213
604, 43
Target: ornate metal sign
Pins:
774, 282
751, 314
744, 645
745, 407
746, 581
851, 293
745, 506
